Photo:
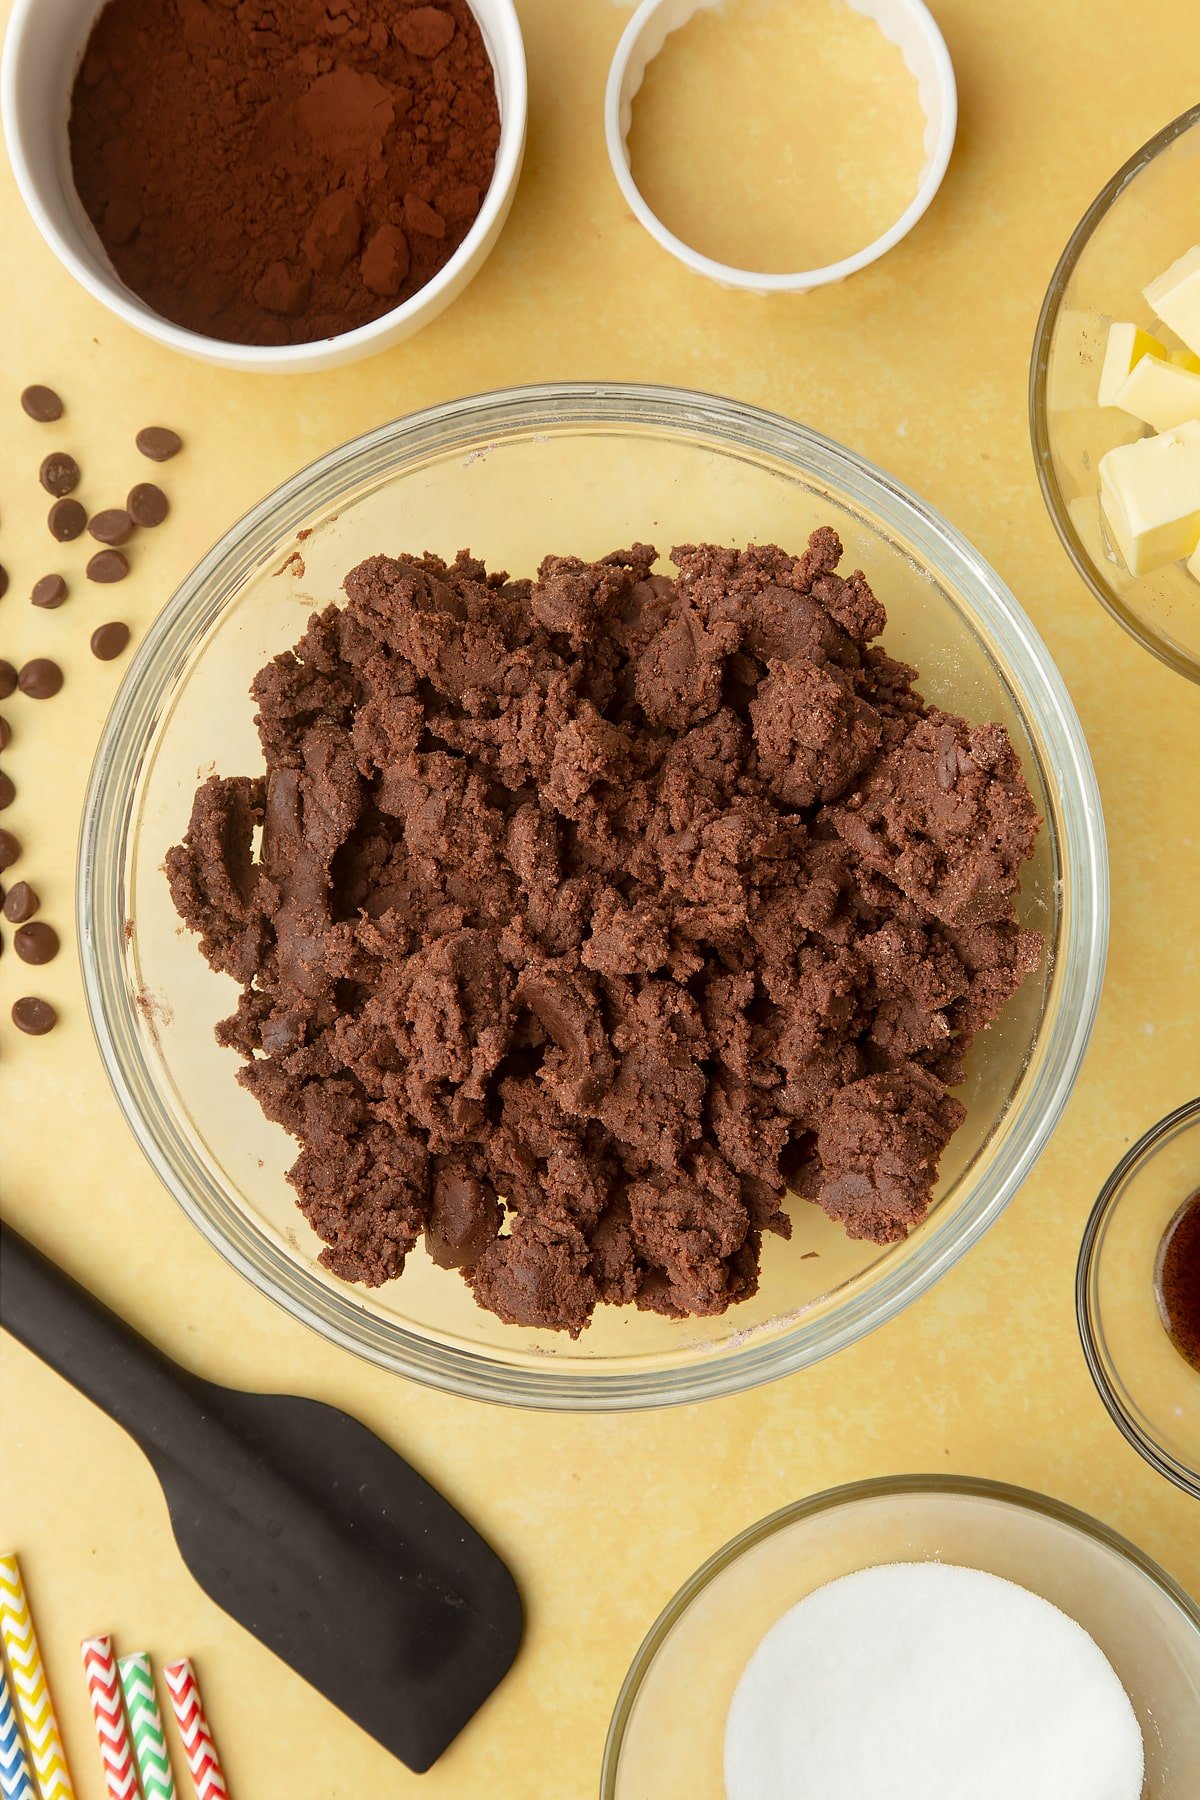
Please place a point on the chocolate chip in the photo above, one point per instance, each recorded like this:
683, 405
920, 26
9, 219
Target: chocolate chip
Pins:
10, 849
40, 679
20, 903
36, 943
109, 640
41, 404
112, 526
59, 473
36, 1017
3, 581
108, 566
147, 505
66, 520
5, 734
50, 591
8, 679
159, 443
8, 792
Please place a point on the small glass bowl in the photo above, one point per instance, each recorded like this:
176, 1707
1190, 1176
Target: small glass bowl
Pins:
1142, 221
668, 1729
1151, 1391
583, 468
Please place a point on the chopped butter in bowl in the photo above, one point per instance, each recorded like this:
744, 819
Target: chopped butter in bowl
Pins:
1114, 396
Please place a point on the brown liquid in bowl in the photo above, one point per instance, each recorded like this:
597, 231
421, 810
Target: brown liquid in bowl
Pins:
1177, 1280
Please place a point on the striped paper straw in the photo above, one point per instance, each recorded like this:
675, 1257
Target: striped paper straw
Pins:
198, 1745
29, 1686
16, 1783
104, 1692
145, 1722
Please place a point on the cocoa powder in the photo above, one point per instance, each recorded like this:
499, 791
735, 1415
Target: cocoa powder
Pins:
277, 171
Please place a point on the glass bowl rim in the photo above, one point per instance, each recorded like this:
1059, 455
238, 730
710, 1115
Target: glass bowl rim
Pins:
1087, 1306
1043, 697
1039, 432
848, 1493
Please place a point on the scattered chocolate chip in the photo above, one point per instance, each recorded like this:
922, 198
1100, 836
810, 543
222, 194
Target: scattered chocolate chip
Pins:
66, 520
36, 943
36, 1017
10, 849
8, 679
59, 473
159, 443
40, 679
147, 505
108, 566
5, 734
8, 792
3, 581
112, 526
50, 591
41, 404
20, 903
109, 640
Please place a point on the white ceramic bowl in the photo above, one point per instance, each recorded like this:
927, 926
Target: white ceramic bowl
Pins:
908, 24
43, 49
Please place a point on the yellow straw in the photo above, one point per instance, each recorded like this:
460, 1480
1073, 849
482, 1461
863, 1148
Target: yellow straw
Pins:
29, 1685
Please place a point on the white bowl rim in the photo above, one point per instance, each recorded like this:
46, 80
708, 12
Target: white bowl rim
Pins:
284, 359
793, 281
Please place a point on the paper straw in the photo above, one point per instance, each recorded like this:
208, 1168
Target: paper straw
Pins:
29, 1686
16, 1783
198, 1745
104, 1692
145, 1722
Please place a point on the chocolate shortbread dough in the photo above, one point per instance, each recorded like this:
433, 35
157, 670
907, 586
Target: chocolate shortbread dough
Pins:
593, 915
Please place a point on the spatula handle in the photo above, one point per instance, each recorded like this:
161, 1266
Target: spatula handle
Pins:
95, 1351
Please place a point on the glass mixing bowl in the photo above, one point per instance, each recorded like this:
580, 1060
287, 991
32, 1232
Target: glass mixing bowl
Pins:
1152, 1393
583, 469
1142, 221
668, 1730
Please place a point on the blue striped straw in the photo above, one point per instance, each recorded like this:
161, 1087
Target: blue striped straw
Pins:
16, 1783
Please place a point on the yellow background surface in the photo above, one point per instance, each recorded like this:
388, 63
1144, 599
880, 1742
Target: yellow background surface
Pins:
920, 363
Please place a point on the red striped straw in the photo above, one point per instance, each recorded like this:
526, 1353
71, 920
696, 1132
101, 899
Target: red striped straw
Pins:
198, 1746
108, 1711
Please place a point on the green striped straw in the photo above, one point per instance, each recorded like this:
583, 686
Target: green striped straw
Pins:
145, 1721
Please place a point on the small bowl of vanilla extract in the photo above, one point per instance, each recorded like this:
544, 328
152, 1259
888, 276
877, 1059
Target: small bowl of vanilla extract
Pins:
1138, 1296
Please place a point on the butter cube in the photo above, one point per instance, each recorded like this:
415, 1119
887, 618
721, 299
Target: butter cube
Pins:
1126, 346
1160, 393
1175, 297
1150, 495
1193, 563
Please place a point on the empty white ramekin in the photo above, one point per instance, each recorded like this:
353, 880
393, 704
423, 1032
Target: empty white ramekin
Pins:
42, 50
906, 23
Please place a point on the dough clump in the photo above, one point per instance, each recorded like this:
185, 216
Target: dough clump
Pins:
593, 915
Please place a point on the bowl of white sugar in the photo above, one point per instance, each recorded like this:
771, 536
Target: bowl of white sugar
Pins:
917, 1638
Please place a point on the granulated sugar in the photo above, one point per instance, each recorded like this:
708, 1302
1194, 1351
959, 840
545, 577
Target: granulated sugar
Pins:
926, 1681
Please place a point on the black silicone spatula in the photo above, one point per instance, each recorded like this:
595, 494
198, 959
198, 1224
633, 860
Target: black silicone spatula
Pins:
297, 1521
